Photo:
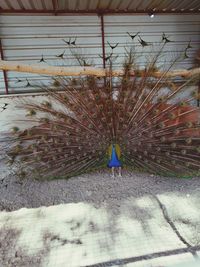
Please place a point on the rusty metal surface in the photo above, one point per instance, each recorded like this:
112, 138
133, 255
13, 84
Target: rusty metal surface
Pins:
99, 6
4, 72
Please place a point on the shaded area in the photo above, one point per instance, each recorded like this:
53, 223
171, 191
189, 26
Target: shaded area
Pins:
143, 230
11, 254
171, 223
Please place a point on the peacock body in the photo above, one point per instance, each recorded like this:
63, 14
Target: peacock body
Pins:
157, 130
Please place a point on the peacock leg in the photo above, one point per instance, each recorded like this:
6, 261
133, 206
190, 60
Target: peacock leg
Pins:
113, 172
120, 171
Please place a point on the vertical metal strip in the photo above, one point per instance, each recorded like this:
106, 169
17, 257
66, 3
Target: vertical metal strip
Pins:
55, 5
103, 41
4, 72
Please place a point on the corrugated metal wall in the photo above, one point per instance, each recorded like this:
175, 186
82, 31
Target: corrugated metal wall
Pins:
27, 38
180, 29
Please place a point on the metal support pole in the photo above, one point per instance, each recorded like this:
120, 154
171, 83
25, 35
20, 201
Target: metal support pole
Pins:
4, 72
103, 41
55, 4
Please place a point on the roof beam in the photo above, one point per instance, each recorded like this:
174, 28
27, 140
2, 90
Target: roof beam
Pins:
96, 12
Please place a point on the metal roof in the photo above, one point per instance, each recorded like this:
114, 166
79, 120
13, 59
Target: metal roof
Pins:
99, 6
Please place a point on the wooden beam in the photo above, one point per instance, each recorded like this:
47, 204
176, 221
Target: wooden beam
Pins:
78, 71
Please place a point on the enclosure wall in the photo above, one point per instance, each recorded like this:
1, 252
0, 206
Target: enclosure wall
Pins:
30, 38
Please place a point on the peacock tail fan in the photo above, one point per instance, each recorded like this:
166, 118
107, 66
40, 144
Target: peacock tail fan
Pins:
153, 120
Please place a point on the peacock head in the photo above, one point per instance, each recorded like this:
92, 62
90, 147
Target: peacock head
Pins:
113, 142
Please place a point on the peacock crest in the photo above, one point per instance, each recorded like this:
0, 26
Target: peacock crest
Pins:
155, 124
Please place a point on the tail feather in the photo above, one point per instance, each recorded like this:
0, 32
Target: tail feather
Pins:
157, 129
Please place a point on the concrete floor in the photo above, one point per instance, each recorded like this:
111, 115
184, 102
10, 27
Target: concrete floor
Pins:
136, 220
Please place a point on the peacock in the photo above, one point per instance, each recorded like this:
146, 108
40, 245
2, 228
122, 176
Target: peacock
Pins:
155, 126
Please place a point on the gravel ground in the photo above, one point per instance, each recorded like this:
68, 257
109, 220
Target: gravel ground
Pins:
98, 188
